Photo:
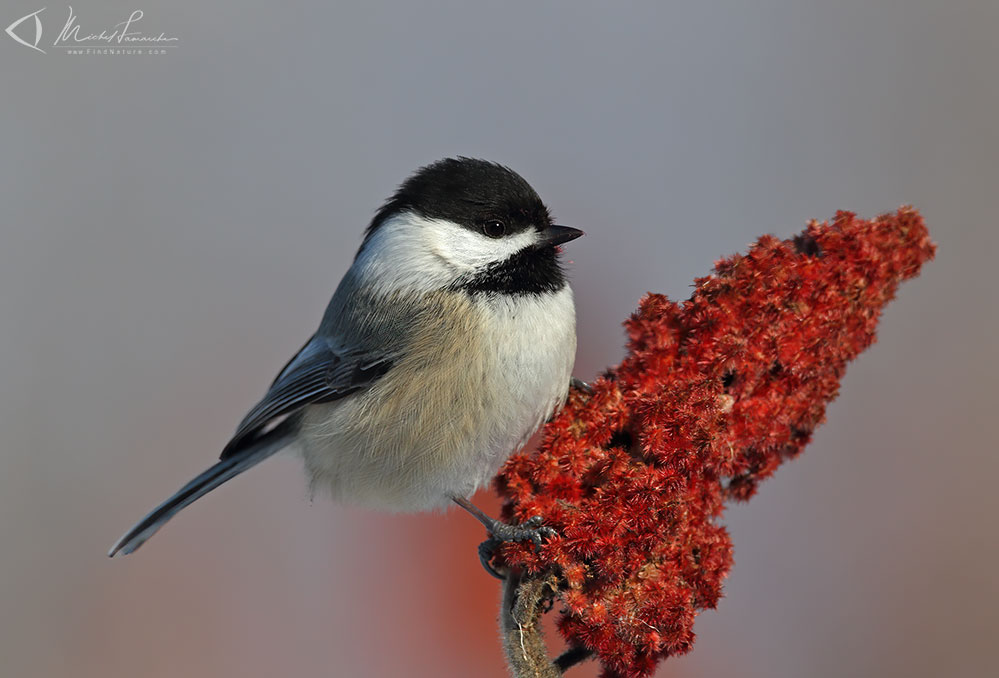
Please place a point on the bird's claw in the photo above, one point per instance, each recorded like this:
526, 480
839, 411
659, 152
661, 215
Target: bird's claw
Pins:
532, 530
487, 550
581, 385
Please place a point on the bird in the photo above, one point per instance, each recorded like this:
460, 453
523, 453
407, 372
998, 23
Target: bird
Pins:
449, 341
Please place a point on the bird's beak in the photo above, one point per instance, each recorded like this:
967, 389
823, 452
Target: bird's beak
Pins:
556, 235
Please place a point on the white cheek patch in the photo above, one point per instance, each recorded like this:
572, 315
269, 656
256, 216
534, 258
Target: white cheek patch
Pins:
470, 251
411, 252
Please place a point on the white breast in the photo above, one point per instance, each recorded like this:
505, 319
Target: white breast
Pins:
443, 426
533, 338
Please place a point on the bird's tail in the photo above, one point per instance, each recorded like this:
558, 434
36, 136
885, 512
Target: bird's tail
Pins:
255, 452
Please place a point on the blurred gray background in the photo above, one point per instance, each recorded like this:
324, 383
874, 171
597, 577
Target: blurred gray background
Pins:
172, 227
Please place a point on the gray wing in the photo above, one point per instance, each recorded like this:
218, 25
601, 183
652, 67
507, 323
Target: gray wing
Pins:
317, 374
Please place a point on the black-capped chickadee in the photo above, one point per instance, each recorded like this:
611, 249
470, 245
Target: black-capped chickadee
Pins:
449, 341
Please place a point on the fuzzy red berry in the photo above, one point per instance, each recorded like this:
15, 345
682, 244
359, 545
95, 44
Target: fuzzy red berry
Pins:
713, 395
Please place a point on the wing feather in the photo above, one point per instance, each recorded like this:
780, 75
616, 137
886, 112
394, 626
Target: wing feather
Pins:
317, 374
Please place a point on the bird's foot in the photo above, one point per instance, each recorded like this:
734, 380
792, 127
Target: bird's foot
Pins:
581, 385
501, 533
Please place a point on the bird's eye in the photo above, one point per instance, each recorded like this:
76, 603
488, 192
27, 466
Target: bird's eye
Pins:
494, 228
